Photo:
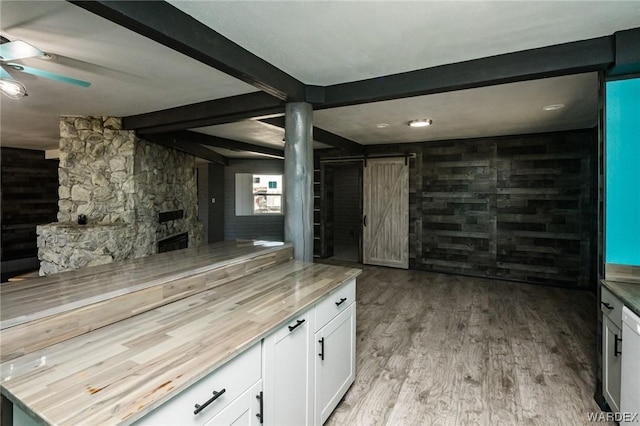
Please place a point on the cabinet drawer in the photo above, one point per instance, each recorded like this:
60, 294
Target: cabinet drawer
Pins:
611, 306
236, 377
335, 303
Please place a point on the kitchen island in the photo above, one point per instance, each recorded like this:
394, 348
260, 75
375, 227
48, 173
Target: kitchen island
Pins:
118, 373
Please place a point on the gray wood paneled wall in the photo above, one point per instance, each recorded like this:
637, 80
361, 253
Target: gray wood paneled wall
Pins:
29, 198
520, 208
262, 227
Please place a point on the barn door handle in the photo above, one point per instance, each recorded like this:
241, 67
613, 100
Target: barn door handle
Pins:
616, 351
364, 220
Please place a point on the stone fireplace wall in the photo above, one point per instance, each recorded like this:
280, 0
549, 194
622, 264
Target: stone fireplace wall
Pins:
166, 179
121, 183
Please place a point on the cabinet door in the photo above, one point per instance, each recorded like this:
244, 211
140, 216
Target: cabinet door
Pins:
335, 362
611, 348
244, 411
288, 373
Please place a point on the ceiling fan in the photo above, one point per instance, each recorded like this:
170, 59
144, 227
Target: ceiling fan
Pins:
15, 50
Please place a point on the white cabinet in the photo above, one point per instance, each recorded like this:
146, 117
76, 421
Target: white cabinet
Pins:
309, 363
288, 379
611, 351
335, 362
335, 355
228, 383
630, 383
611, 308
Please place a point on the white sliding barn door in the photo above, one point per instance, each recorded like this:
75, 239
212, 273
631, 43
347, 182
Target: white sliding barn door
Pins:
385, 237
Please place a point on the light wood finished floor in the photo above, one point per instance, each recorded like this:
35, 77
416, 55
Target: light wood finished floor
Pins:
437, 349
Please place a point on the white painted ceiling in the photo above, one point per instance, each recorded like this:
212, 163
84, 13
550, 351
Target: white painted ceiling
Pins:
330, 42
318, 42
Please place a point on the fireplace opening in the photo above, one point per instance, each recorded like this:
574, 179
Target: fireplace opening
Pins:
175, 242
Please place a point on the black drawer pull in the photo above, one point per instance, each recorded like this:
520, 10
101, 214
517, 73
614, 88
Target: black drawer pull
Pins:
606, 305
260, 415
344, 299
298, 324
216, 395
321, 354
616, 350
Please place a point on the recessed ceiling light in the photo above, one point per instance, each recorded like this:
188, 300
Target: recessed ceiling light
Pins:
423, 122
382, 125
553, 107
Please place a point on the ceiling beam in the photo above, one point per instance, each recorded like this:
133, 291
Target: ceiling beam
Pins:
202, 114
218, 142
322, 136
187, 146
627, 53
169, 26
569, 58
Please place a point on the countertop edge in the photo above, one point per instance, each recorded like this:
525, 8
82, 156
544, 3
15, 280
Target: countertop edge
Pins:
12, 322
619, 290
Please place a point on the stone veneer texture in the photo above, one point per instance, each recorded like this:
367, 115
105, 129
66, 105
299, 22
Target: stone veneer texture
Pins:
114, 178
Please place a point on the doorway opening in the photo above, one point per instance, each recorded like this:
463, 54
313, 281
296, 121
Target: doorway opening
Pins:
344, 209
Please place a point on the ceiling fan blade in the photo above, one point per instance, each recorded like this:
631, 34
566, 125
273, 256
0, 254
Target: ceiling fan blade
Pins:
50, 75
5, 75
18, 50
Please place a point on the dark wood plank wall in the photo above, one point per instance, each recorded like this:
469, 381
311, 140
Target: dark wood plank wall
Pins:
29, 198
521, 208
458, 207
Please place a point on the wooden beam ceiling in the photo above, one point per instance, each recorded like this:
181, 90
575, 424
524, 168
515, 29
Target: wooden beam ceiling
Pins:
563, 59
323, 136
173, 28
187, 146
169, 26
215, 141
202, 114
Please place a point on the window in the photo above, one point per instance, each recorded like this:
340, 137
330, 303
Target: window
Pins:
258, 194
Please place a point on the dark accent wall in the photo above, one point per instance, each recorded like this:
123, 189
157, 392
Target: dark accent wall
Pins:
520, 208
29, 198
267, 227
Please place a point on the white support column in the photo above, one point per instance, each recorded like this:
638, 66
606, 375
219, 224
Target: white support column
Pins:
298, 176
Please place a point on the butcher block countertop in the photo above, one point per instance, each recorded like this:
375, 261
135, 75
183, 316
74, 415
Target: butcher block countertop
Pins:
629, 293
118, 373
36, 298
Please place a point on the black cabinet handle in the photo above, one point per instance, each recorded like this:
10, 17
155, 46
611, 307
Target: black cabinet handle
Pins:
259, 415
344, 299
616, 350
606, 305
298, 324
364, 220
321, 354
216, 395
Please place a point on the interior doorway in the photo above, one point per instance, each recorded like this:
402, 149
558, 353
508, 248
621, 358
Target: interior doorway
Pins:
345, 209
